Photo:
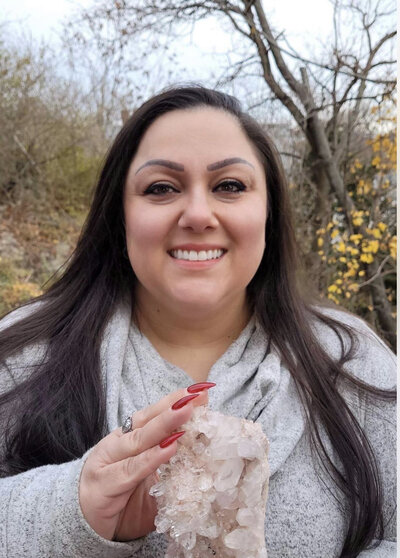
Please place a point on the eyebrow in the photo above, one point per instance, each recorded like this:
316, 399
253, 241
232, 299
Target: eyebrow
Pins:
162, 163
227, 162
181, 168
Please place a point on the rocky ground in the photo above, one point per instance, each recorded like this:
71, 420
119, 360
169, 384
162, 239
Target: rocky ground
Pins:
34, 243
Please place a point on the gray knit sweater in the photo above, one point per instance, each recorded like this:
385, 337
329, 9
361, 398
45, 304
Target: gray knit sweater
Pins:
40, 516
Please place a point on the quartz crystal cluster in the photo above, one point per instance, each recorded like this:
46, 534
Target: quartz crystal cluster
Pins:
211, 496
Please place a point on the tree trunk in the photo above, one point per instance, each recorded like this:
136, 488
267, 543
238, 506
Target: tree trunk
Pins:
382, 306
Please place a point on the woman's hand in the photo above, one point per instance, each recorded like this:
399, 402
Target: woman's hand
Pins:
121, 468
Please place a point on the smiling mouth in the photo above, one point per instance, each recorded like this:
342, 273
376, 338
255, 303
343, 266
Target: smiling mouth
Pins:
193, 256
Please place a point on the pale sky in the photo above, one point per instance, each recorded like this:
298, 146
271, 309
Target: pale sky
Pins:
305, 19
307, 24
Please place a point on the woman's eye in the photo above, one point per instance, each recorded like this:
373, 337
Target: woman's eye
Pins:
233, 186
159, 189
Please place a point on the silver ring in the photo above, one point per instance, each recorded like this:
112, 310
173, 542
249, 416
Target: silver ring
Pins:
128, 425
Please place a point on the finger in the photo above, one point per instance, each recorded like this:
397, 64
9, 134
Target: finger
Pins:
123, 476
143, 416
139, 440
107, 451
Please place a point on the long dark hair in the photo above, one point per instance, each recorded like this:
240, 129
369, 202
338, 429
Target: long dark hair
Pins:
59, 411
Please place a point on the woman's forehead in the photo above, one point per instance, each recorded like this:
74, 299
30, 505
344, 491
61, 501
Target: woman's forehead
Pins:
205, 131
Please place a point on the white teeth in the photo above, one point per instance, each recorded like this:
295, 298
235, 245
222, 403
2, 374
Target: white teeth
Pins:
194, 256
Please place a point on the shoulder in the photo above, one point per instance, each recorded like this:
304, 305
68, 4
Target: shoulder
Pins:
18, 366
19, 314
373, 362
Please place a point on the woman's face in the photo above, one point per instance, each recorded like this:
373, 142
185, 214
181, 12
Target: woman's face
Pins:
195, 205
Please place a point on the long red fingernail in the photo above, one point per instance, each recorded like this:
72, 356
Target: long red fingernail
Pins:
171, 439
184, 401
200, 387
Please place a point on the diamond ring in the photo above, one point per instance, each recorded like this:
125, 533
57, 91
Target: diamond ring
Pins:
128, 425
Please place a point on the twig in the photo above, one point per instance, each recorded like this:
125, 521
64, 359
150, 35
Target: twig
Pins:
378, 273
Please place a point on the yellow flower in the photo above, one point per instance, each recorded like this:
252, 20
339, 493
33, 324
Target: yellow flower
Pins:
382, 227
342, 259
375, 161
320, 253
329, 226
338, 281
332, 289
374, 244
367, 189
334, 233
361, 273
376, 233
370, 246
393, 247
333, 297
353, 287
367, 258
356, 238
348, 295
340, 247
321, 231
320, 242
357, 221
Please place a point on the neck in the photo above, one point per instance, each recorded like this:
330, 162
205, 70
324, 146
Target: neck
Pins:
190, 330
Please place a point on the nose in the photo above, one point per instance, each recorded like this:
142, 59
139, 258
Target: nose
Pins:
198, 211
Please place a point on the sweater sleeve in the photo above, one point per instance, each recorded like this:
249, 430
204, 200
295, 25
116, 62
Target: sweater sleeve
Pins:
380, 421
376, 365
40, 517
40, 513
386, 549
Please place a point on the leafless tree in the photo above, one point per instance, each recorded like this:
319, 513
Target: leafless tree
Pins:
326, 95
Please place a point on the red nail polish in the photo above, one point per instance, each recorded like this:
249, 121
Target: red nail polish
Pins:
184, 401
171, 439
200, 387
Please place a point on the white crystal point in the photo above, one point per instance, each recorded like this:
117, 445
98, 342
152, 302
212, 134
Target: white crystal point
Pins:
241, 539
211, 495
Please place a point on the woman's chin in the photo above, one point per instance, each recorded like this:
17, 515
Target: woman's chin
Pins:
197, 304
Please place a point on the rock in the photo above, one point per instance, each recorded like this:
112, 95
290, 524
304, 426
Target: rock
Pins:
211, 496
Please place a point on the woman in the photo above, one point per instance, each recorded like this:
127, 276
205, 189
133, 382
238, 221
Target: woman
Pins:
184, 274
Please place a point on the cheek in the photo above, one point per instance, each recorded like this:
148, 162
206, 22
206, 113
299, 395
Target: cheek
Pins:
144, 236
251, 231
251, 243
143, 230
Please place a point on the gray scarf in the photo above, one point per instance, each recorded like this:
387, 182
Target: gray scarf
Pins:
251, 382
